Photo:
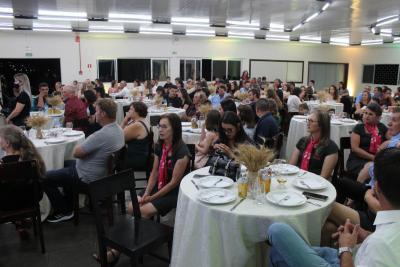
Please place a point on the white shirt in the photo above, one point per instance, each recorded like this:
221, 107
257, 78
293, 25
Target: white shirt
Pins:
124, 92
381, 248
293, 103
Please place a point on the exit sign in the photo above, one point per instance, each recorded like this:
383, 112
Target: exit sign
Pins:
28, 54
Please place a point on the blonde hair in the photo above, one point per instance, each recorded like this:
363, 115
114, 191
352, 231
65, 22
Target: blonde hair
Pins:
26, 86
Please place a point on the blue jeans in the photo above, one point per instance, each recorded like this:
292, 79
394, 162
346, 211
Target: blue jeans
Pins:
289, 249
68, 179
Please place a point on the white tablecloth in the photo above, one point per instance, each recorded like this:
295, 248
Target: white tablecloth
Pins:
190, 136
298, 129
316, 104
212, 235
54, 155
385, 119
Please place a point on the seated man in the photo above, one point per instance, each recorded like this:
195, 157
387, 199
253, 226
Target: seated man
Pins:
173, 100
267, 126
75, 108
376, 249
39, 102
91, 164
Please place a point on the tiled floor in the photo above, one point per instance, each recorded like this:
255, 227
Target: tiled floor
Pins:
66, 245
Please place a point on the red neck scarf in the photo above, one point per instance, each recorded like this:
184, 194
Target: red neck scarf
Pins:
305, 161
163, 167
375, 138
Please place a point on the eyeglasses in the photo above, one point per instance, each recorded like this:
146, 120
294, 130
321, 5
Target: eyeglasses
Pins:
308, 120
162, 126
227, 131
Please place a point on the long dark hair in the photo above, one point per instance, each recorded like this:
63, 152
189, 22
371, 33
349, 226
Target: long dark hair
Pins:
324, 123
246, 115
186, 97
233, 119
176, 126
19, 142
213, 120
335, 93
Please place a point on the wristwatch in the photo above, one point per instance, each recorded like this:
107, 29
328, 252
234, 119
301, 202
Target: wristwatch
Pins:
344, 249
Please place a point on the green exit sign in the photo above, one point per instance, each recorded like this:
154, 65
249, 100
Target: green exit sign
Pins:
28, 54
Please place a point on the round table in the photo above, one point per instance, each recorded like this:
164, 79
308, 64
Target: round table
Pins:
212, 235
332, 105
54, 119
54, 155
298, 129
190, 136
385, 118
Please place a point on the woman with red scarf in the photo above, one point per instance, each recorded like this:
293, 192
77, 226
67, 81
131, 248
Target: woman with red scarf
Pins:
365, 139
316, 153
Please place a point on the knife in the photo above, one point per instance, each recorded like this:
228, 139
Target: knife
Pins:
237, 204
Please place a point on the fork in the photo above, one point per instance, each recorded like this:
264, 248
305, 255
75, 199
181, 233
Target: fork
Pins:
213, 196
283, 199
305, 184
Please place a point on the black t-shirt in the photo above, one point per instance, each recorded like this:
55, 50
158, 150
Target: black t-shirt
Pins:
24, 99
317, 156
365, 138
175, 102
178, 154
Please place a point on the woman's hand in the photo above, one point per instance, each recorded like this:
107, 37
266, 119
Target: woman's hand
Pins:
225, 149
145, 199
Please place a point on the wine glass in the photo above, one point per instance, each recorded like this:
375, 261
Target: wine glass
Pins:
278, 169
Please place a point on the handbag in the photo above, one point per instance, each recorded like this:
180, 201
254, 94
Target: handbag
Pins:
222, 165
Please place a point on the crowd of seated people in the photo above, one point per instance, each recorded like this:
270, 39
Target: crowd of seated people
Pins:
232, 121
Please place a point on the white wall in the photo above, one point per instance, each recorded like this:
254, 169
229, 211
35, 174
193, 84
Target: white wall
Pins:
15, 44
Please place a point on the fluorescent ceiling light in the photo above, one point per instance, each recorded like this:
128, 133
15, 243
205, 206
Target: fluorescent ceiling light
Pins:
385, 18
130, 21
129, 16
51, 30
326, 6
61, 18
190, 24
387, 22
200, 31
243, 28
147, 29
371, 42
241, 36
51, 26
276, 26
275, 36
6, 10
190, 20
249, 34
6, 28
243, 23
339, 43
61, 13
386, 34
313, 16
6, 16
154, 32
105, 31
386, 31
105, 27
297, 27
200, 34
310, 39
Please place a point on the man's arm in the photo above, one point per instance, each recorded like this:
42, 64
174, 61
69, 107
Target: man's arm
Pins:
79, 152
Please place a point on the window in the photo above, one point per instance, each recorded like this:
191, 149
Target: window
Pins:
160, 69
134, 69
326, 74
106, 70
290, 71
37, 69
190, 69
368, 74
206, 69
381, 74
219, 69
233, 70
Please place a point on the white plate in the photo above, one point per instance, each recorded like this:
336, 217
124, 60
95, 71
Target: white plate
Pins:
312, 183
292, 199
56, 115
72, 133
186, 123
335, 122
209, 181
216, 196
57, 140
348, 120
300, 116
203, 171
285, 168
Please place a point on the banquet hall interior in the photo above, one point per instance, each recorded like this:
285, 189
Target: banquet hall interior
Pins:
199, 133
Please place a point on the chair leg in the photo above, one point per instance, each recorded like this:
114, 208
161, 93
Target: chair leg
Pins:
169, 244
35, 225
121, 201
40, 231
141, 259
76, 207
134, 261
109, 207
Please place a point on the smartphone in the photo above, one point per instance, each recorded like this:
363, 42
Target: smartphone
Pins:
315, 196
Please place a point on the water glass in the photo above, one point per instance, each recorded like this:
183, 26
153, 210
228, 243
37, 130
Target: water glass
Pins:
69, 125
242, 187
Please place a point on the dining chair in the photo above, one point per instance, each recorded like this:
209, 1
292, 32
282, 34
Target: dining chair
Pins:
132, 235
19, 186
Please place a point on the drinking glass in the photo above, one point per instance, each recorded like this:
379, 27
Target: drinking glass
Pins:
279, 176
69, 125
242, 187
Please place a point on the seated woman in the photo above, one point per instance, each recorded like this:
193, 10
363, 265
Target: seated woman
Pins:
316, 153
19, 107
365, 99
185, 99
137, 137
333, 94
90, 98
17, 147
246, 115
231, 134
365, 139
208, 138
